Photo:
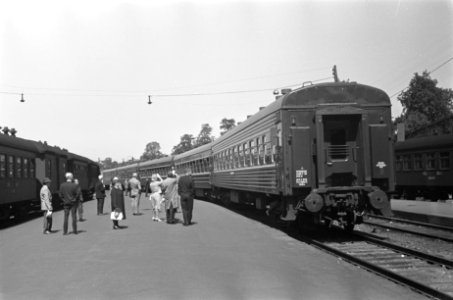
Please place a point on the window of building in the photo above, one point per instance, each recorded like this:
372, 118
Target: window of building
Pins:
430, 161
48, 168
2, 166
444, 160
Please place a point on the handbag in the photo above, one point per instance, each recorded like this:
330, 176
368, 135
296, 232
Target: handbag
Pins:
116, 215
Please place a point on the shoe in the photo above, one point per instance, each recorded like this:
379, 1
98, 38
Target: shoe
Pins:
76, 232
47, 232
65, 233
158, 220
115, 227
81, 220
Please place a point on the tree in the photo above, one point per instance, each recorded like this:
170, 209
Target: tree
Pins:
184, 145
424, 103
204, 137
107, 163
152, 151
226, 124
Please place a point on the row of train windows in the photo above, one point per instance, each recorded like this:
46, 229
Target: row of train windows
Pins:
255, 152
16, 167
149, 172
423, 161
196, 166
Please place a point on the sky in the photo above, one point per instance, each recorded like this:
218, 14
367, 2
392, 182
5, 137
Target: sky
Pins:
87, 68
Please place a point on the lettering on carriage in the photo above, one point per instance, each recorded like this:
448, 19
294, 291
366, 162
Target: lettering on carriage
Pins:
302, 177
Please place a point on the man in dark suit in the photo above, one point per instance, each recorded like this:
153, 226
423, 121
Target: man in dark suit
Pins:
186, 192
68, 194
99, 189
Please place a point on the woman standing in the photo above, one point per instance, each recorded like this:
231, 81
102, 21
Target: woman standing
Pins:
156, 197
117, 201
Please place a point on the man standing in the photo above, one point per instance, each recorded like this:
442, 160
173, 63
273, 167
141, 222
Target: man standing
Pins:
135, 186
186, 191
99, 189
79, 200
46, 205
170, 189
68, 194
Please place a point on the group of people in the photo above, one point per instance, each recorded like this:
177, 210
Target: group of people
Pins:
71, 194
169, 194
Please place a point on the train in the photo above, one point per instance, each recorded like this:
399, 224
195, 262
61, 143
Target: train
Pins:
25, 163
319, 154
424, 168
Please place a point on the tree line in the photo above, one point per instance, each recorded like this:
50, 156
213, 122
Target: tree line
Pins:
187, 142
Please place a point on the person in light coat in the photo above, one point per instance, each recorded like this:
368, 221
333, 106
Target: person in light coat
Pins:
46, 205
170, 189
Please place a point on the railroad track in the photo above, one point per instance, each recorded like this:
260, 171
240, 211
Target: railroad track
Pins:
417, 228
428, 274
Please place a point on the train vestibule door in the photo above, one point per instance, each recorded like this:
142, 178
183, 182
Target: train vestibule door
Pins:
339, 147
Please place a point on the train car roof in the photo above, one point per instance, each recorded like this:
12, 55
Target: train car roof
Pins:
19, 143
167, 160
198, 153
428, 142
317, 95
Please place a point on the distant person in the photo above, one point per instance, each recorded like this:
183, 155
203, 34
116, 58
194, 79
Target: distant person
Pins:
170, 189
68, 194
46, 205
135, 187
156, 196
117, 199
186, 191
148, 187
79, 200
99, 189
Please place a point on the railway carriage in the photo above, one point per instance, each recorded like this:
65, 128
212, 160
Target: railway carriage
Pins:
323, 151
24, 164
424, 167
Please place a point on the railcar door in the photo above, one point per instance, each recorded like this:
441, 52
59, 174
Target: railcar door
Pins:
340, 159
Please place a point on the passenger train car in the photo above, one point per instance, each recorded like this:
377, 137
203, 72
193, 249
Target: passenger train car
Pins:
424, 168
320, 153
24, 164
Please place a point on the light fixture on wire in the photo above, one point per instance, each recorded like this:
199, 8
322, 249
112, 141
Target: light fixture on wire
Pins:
22, 98
149, 99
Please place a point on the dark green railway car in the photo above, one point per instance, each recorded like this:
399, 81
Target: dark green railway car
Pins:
323, 151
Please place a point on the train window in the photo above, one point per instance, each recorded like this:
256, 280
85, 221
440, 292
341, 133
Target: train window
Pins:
261, 150
48, 168
246, 154
268, 149
18, 167
10, 166
240, 157
26, 168
32, 168
399, 163
235, 157
430, 161
444, 160
418, 162
2, 166
407, 162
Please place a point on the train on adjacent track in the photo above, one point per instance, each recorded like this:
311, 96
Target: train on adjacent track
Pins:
317, 154
25, 163
424, 167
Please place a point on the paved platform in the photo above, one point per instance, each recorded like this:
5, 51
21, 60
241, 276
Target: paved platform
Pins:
222, 256
439, 213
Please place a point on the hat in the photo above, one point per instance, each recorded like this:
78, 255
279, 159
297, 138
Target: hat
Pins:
115, 179
46, 180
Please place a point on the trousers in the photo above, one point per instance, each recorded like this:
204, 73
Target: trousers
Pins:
73, 210
135, 203
47, 222
100, 206
187, 207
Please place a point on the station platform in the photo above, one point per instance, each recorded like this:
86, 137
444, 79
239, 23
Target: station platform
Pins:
439, 213
222, 256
